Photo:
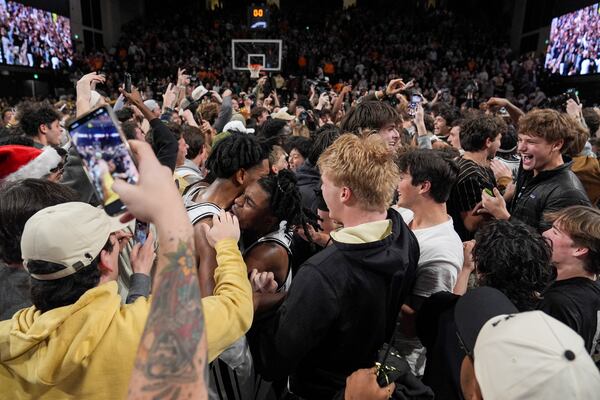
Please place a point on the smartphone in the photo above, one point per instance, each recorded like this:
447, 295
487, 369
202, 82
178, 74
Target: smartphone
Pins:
127, 82
415, 100
141, 232
489, 192
105, 154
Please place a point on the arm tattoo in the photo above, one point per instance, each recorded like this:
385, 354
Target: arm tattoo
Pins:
169, 356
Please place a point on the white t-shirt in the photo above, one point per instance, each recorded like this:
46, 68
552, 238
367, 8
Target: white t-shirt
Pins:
441, 257
440, 261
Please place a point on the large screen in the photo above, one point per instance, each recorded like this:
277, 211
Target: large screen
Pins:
574, 44
34, 38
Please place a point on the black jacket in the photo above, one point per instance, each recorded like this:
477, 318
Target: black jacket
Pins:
341, 307
309, 181
548, 191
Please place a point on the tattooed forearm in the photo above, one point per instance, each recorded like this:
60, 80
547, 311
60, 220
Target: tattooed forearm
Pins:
171, 360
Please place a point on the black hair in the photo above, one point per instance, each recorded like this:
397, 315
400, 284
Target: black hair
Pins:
515, 259
48, 295
6, 110
457, 122
129, 129
175, 129
285, 200
272, 128
369, 115
124, 114
32, 115
433, 166
324, 137
475, 131
300, 143
508, 144
592, 119
234, 152
18, 202
257, 112
325, 112
429, 122
16, 139
194, 138
304, 102
448, 112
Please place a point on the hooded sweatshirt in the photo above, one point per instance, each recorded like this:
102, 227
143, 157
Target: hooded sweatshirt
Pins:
86, 350
341, 307
62, 353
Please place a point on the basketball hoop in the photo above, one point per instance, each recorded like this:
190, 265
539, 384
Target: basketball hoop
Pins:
254, 70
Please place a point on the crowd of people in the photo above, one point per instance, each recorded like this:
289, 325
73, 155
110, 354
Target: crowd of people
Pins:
574, 46
304, 242
429, 47
34, 38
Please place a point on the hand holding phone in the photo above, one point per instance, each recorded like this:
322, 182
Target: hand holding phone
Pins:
143, 256
415, 100
105, 155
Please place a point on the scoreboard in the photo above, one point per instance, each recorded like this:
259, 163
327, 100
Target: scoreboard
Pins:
258, 17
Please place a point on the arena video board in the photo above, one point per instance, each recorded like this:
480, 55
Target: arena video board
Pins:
36, 38
574, 43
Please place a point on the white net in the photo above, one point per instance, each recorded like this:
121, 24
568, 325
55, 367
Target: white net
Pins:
254, 70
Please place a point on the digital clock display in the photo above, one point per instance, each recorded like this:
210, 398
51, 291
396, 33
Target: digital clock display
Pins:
258, 17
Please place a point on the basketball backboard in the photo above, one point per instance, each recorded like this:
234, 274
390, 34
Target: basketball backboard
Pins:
266, 52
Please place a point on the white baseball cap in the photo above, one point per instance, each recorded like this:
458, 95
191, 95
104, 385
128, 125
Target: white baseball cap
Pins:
531, 356
70, 234
236, 126
151, 104
282, 114
522, 356
199, 92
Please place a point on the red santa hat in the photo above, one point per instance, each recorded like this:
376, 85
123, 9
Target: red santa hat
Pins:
22, 162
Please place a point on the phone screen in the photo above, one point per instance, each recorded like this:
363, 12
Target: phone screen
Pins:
105, 155
141, 232
127, 82
415, 99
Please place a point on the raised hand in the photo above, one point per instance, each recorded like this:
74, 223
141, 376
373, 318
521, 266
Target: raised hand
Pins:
182, 78
169, 97
91, 79
134, 97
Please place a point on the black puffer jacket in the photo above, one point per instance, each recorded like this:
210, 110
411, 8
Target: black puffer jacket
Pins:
547, 192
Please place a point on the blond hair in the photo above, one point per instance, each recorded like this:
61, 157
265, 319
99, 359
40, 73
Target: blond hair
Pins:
582, 225
364, 165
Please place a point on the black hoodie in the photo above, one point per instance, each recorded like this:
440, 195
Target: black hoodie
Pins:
309, 181
341, 307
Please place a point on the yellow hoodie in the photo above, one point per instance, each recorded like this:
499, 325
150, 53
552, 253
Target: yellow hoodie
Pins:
86, 350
